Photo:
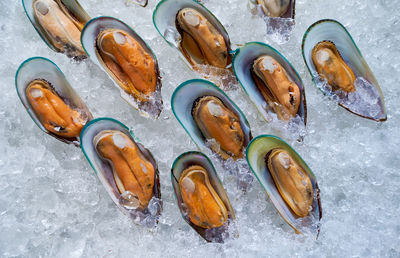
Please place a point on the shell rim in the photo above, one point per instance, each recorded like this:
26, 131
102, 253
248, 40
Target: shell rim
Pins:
359, 52
183, 84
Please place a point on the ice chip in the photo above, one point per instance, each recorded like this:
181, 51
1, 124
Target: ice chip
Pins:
172, 36
119, 140
129, 201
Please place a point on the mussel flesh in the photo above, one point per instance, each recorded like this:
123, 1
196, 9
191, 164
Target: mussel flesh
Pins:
274, 8
291, 180
331, 66
218, 122
276, 86
132, 66
53, 112
63, 30
132, 171
201, 42
205, 208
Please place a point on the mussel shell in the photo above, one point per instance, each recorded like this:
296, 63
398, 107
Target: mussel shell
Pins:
72, 5
88, 40
331, 30
142, 3
105, 173
181, 163
43, 68
242, 64
184, 97
164, 17
255, 154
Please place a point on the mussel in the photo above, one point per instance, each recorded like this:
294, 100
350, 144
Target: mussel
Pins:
211, 119
201, 42
201, 197
288, 181
274, 8
270, 81
291, 180
133, 68
132, 171
277, 88
59, 22
126, 169
127, 60
216, 121
204, 206
331, 66
54, 114
195, 32
339, 70
50, 100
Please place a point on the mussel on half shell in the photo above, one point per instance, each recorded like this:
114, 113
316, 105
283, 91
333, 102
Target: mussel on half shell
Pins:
59, 22
128, 60
339, 70
201, 198
50, 100
288, 181
127, 170
218, 122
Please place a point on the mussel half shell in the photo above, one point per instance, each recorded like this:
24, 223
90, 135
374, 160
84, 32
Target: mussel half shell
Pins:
40, 68
242, 65
256, 154
73, 8
142, 3
367, 101
193, 158
147, 216
164, 19
150, 107
182, 103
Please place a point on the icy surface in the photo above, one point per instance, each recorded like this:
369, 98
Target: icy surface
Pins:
53, 205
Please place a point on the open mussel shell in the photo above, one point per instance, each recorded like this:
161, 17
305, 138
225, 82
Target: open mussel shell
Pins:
40, 68
149, 215
73, 8
256, 154
242, 64
194, 158
164, 19
183, 99
256, 7
150, 108
334, 32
